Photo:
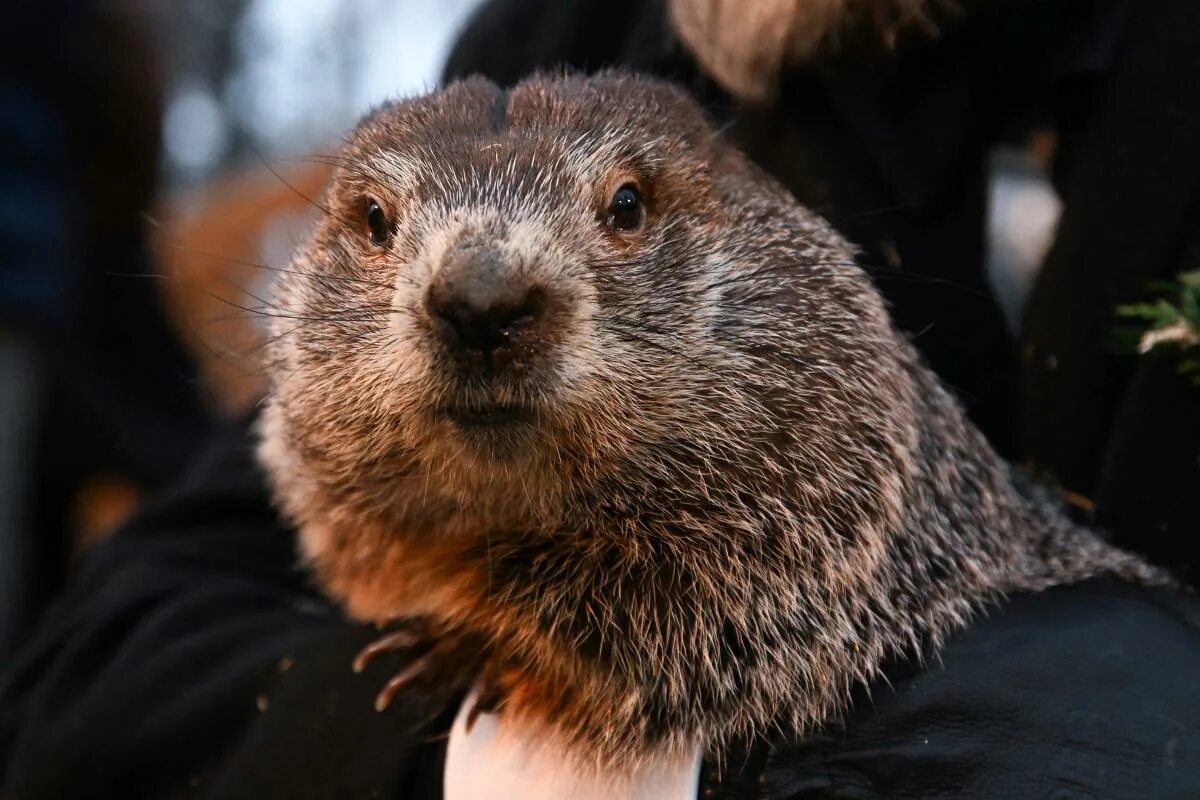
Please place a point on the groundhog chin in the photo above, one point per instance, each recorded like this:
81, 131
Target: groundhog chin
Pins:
462, 412
495, 431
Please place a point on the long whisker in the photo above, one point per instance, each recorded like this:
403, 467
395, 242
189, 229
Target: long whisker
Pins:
250, 143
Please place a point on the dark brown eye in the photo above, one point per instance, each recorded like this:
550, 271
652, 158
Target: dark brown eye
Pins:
625, 211
378, 226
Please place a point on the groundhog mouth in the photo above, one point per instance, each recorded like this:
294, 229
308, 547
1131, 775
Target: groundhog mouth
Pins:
483, 417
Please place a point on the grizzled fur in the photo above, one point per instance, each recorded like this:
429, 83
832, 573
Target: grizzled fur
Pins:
738, 491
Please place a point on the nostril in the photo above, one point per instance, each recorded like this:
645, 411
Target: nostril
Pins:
517, 319
485, 329
448, 317
519, 323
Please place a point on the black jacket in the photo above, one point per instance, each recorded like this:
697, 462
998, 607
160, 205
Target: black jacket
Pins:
191, 659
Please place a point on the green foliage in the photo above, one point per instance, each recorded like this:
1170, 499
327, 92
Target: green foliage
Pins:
1172, 321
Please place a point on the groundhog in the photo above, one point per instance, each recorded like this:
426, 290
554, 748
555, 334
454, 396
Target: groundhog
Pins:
564, 381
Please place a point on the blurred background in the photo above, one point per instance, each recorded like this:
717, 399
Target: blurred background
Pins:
273, 78
156, 161
151, 156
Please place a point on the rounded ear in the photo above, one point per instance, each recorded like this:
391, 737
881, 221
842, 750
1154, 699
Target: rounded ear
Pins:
745, 46
738, 180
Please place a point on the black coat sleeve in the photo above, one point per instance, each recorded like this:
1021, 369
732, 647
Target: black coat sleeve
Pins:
190, 659
1080, 693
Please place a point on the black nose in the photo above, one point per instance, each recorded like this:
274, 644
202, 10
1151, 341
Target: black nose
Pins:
485, 328
482, 308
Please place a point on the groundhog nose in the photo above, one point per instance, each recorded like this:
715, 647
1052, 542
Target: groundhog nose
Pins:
489, 324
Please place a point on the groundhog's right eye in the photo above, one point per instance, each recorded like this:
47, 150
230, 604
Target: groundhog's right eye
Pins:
378, 226
625, 211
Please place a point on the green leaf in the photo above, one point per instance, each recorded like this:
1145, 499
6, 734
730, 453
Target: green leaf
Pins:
1189, 304
1190, 279
1159, 313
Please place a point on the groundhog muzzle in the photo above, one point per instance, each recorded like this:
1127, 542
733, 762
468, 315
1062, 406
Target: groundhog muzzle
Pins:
560, 374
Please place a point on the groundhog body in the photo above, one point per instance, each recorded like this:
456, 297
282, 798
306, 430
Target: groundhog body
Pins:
561, 370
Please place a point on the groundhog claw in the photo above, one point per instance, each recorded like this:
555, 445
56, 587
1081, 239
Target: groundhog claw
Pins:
426, 664
491, 696
447, 656
390, 642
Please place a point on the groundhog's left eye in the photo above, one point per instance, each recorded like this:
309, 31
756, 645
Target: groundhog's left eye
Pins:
626, 211
378, 226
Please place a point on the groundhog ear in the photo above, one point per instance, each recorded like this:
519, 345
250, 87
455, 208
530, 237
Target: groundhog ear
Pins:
734, 174
727, 160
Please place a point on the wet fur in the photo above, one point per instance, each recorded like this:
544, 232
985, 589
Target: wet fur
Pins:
744, 491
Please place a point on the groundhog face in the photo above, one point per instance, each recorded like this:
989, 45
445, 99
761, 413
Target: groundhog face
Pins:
514, 294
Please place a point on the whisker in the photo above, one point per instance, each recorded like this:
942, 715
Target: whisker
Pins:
282, 270
250, 143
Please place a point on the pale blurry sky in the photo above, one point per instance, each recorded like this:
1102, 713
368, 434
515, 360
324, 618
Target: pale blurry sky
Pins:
302, 71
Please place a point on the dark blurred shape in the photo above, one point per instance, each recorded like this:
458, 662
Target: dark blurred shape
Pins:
1121, 431
79, 144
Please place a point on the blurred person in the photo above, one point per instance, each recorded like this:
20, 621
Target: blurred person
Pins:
191, 656
117, 411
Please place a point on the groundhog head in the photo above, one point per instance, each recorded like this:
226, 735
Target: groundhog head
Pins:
518, 296
562, 371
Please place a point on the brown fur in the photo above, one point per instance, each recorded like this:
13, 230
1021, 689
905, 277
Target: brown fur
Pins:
740, 491
745, 45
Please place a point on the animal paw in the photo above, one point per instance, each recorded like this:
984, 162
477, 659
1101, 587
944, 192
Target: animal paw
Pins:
438, 654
